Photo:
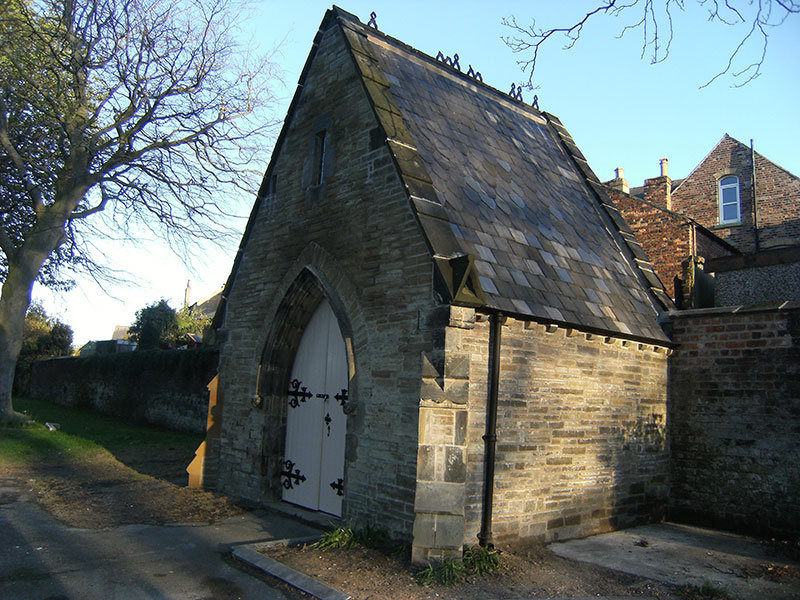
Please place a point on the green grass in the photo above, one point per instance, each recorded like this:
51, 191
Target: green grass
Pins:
341, 537
481, 561
445, 572
34, 445
476, 561
345, 537
82, 433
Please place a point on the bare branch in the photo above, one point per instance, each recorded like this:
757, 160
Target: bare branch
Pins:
539, 37
32, 190
655, 20
82, 214
149, 111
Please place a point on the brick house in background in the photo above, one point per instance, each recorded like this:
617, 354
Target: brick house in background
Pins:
734, 377
751, 242
718, 194
668, 237
421, 246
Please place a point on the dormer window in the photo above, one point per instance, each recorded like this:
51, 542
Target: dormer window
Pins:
729, 200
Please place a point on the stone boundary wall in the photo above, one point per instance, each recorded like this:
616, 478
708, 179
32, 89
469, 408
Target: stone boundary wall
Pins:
767, 276
735, 418
160, 387
582, 444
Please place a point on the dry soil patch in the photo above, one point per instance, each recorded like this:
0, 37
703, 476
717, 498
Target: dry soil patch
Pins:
365, 573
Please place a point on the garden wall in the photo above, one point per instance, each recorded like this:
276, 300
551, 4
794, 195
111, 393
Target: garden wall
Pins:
764, 277
161, 387
582, 442
735, 418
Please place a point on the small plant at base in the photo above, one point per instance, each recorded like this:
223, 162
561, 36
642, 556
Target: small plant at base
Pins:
445, 572
341, 537
476, 561
346, 537
401, 550
481, 561
371, 536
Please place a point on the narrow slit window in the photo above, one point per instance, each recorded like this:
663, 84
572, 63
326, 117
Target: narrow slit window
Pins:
319, 156
729, 200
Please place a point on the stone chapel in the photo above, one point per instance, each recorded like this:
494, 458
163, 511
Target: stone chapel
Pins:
437, 321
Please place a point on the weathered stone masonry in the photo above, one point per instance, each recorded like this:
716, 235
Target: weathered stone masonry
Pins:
372, 200
370, 260
161, 387
735, 418
582, 438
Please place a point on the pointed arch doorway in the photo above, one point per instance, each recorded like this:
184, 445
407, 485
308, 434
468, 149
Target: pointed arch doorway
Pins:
316, 424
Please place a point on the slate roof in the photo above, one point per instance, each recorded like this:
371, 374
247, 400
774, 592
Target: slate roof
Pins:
514, 216
491, 177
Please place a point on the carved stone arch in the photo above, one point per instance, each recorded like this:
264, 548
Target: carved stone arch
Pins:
312, 277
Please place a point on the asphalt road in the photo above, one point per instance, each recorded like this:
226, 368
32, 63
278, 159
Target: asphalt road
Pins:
40, 558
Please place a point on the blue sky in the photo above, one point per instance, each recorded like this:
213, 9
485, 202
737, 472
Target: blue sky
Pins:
621, 110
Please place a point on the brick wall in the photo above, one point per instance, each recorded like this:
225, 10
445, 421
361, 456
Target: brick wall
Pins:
582, 442
667, 238
778, 197
354, 239
664, 237
735, 419
707, 245
165, 388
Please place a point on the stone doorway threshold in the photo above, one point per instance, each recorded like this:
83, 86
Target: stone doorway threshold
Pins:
682, 554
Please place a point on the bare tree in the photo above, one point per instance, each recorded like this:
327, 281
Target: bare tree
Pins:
751, 19
147, 111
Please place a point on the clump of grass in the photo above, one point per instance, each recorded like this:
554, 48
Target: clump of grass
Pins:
707, 591
341, 537
400, 550
445, 572
475, 560
481, 561
371, 536
346, 537
451, 571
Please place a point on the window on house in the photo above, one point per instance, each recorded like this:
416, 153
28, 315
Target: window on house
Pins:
319, 156
729, 205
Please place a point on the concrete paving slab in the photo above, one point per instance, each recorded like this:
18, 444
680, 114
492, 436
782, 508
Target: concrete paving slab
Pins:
681, 555
42, 558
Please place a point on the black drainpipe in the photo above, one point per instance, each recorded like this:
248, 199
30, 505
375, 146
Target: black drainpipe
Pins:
490, 438
755, 204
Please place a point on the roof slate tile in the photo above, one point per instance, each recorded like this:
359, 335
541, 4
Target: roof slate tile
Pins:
516, 192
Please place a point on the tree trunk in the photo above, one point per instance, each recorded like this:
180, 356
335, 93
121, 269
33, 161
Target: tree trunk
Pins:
13, 306
23, 268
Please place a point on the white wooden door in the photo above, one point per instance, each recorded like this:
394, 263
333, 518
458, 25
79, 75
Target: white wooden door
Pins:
313, 468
